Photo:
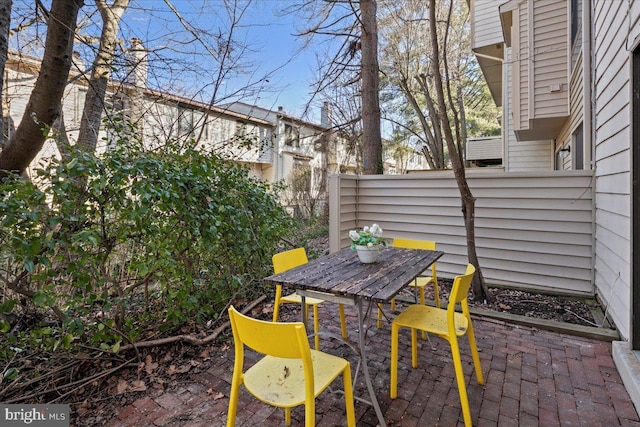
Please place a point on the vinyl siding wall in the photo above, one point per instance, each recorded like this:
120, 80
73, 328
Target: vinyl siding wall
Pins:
549, 49
485, 23
616, 25
533, 230
484, 148
576, 103
521, 58
540, 62
521, 156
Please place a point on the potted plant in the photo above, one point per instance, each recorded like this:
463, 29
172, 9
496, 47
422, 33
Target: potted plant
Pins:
367, 243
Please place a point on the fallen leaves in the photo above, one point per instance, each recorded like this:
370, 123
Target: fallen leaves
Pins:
215, 395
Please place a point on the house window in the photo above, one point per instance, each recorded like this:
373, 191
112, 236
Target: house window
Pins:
291, 136
200, 125
117, 117
185, 122
578, 148
81, 96
241, 128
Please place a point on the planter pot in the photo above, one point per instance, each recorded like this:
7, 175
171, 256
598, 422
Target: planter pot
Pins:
368, 254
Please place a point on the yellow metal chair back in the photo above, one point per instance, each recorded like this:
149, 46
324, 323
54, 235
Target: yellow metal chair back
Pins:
287, 260
275, 339
460, 290
290, 373
421, 281
399, 242
447, 324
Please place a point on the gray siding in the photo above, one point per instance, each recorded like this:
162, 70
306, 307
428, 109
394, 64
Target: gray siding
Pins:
522, 155
485, 23
550, 60
615, 29
521, 58
484, 148
533, 230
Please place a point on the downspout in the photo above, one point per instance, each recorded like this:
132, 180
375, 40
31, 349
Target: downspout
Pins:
589, 100
507, 109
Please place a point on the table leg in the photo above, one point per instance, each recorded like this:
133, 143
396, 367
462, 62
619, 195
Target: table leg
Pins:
304, 311
365, 365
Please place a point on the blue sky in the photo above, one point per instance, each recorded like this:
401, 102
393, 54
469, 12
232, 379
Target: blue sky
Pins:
273, 49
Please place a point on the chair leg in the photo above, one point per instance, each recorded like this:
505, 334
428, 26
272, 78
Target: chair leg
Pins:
310, 411
462, 389
348, 396
287, 416
379, 322
276, 303
436, 292
474, 354
414, 348
316, 327
233, 397
393, 387
424, 334
343, 321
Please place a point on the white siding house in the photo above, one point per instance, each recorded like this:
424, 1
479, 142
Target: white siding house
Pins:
271, 143
571, 97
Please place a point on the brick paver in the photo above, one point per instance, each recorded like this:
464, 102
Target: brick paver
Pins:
532, 378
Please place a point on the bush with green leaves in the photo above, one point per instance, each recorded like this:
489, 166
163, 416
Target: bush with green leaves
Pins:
134, 240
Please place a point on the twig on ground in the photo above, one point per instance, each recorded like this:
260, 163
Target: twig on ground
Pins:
190, 338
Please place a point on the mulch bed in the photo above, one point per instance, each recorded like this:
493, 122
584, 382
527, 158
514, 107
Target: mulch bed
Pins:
574, 310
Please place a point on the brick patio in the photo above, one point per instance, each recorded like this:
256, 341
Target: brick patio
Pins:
532, 378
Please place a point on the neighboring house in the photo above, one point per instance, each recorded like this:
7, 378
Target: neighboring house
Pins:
567, 74
160, 117
484, 151
274, 145
303, 150
403, 158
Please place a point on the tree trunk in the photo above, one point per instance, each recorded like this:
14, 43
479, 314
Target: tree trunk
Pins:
371, 137
44, 103
100, 72
468, 201
5, 23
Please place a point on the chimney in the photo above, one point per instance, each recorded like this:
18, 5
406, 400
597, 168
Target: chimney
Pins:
77, 62
137, 64
325, 115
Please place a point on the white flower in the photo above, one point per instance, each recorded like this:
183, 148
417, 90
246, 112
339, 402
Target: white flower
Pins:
368, 236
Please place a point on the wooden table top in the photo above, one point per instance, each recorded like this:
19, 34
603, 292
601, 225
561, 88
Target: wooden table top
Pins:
342, 273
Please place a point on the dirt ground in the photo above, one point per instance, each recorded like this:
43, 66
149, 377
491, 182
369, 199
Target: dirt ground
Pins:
558, 308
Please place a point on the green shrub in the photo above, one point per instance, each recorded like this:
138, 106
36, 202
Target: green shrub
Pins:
134, 240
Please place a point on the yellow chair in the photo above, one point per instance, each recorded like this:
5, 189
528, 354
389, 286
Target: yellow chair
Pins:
284, 261
421, 281
290, 373
447, 324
